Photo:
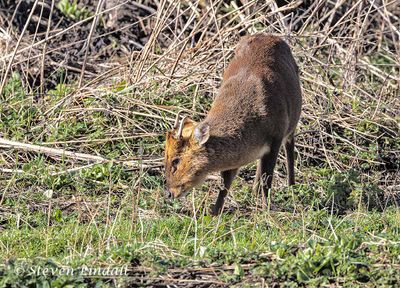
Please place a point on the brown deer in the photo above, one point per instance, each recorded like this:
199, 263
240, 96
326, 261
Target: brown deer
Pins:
256, 110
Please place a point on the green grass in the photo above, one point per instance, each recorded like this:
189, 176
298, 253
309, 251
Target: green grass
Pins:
309, 247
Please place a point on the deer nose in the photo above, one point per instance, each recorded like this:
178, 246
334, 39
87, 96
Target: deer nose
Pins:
168, 194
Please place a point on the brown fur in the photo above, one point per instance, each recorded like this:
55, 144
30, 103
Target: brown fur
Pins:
256, 110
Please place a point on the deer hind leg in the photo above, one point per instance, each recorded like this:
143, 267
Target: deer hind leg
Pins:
257, 178
227, 177
266, 168
289, 149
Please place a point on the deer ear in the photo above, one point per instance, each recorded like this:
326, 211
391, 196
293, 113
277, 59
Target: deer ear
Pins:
202, 133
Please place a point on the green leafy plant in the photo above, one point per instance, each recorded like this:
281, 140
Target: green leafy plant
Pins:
71, 10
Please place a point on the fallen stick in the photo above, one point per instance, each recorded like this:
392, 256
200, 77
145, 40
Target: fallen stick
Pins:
144, 163
50, 151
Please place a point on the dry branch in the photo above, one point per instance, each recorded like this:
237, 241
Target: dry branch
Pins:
50, 151
55, 152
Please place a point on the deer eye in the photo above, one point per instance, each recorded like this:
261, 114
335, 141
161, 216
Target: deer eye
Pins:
174, 164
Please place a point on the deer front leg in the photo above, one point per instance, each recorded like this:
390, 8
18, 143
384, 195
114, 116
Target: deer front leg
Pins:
227, 177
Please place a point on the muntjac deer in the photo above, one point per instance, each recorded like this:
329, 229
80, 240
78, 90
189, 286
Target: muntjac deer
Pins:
256, 110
